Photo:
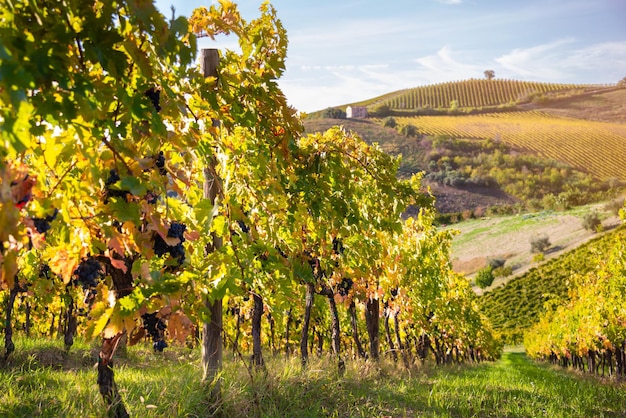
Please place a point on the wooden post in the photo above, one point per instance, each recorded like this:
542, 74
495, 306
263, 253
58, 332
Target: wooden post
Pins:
212, 331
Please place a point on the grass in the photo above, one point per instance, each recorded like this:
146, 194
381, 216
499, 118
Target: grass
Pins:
167, 385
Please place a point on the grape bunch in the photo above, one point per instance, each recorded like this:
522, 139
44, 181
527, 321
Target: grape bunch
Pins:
44, 271
337, 246
176, 230
160, 163
113, 178
42, 225
154, 95
156, 328
244, 228
345, 286
88, 272
109, 192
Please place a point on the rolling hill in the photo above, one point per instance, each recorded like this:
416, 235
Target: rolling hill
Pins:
577, 130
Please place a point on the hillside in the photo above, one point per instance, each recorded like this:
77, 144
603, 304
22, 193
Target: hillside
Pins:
476, 95
595, 147
603, 106
515, 307
562, 144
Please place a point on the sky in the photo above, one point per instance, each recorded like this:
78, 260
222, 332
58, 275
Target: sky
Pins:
346, 51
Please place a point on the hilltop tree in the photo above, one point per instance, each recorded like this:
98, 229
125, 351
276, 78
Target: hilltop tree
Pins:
490, 74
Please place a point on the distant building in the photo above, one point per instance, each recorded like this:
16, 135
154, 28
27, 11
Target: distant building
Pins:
356, 112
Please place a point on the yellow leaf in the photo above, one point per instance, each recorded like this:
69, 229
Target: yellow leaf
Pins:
52, 151
118, 324
63, 264
101, 322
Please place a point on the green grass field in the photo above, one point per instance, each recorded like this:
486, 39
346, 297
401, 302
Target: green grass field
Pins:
42, 380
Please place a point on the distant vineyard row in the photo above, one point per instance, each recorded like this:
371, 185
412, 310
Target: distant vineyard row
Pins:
594, 147
514, 308
473, 93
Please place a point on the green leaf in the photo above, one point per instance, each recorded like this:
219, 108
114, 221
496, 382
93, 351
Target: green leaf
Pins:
125, 211
130, 303
133, 185
16, 128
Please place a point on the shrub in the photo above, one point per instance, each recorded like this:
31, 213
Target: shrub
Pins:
333, 113
408, 130
381, 111
614, 206
591, 222
389, 122
538, 258
495, 263
502, 271
539, 244
484, 277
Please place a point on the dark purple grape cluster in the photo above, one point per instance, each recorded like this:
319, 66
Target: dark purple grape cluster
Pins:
88, 272
176, 230
337, 245
160, 163
244, 228
159, 345
113, 178
155, 326
108, 191
154, 95
44, 271
344, 287
42, 225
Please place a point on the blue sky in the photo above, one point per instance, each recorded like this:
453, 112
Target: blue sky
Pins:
345, 51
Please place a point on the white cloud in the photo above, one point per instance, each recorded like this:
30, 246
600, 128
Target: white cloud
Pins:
561, 61
537, 61
444, 67
450, 1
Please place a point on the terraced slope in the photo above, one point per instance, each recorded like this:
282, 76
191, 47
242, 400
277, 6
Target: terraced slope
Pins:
598, 148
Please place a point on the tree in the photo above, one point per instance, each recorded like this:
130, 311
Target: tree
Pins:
539, 244
408, 130
484, 277
592, 222
334, 113
490, 74
381, 111
389, 122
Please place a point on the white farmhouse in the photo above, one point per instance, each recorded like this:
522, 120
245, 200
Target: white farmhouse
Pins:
356, 112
